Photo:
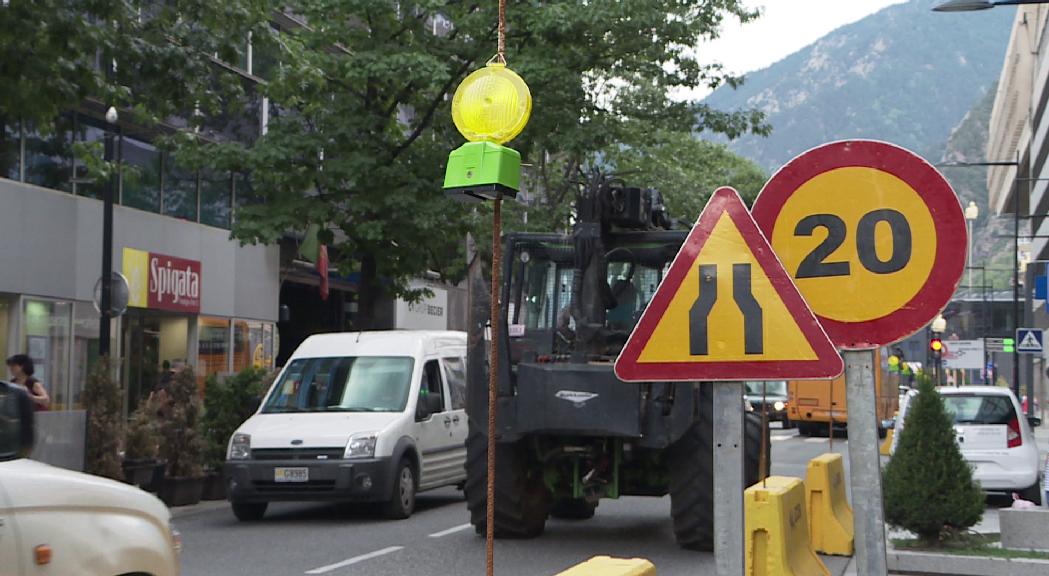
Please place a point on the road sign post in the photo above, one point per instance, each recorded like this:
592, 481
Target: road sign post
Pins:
729, 556
874, 237
727, 311
864, 471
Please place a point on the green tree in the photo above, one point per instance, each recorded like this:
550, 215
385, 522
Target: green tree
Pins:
686, 170
929, 488
361, 128
157, 59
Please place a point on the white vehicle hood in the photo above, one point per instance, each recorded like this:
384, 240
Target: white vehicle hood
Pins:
32, 484
313, 429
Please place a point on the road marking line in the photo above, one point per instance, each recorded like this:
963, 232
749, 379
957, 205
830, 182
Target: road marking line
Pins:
779, 438
451, 530
354, 560
813, 440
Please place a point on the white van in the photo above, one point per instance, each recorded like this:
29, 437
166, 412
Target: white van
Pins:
356, 417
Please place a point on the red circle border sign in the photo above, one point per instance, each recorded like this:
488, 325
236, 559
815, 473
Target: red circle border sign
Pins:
931, 187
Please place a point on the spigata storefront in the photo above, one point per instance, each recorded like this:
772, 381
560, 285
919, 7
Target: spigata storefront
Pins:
195, 295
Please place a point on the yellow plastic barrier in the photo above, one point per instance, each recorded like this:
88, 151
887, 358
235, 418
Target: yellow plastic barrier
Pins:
777, 530
830, 516
886, 446
608, 566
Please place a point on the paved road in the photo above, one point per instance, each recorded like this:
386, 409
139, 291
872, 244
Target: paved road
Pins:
299, 539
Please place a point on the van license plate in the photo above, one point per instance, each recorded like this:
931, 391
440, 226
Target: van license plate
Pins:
291, 474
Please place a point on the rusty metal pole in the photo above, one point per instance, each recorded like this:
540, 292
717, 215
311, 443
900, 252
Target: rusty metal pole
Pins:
493, 382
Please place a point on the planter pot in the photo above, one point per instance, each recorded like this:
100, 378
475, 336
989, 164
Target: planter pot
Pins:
139, 472
157, 478
181, 491
214, 487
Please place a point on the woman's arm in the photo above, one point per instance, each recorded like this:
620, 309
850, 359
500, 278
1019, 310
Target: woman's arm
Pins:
39, 395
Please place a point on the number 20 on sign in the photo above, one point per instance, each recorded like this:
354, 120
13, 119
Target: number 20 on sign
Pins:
873, 236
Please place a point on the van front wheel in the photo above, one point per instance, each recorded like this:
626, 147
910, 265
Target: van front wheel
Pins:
402, 500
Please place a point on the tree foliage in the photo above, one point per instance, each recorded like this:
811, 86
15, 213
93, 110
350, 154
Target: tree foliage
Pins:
928, 485
227, 404
361, 115
156, 59
181, 444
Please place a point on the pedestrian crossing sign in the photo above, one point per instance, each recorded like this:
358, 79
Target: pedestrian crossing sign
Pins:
727, 310
1029, 340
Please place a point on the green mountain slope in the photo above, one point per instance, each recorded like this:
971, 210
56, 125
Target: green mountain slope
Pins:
905, 74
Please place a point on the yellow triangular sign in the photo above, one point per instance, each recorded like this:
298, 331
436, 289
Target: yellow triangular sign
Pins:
727, 310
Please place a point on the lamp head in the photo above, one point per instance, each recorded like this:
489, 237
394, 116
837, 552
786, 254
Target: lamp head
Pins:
972, 211
963, 6
112, 116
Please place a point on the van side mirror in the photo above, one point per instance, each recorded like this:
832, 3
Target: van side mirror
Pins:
427, 406
1034, 421
16, 422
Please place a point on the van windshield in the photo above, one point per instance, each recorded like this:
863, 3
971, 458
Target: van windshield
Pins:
974, 409
346, 384
770, 388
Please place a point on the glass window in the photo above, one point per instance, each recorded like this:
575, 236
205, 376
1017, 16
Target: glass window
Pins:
180, 191
46, 329
213, 346
268, 344
49, 156
215, 198
85, 348
10, 149
248, 345
265, 54
455, 370
348, 384
140, 178
770, 388
966, 409
92, 132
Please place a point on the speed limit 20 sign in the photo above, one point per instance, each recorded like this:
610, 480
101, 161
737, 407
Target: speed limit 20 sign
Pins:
873, 236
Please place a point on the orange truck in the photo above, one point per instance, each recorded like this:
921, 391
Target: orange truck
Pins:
811, 404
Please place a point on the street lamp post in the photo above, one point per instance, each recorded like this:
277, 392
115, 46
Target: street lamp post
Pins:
105, 301
973, 5
972, 211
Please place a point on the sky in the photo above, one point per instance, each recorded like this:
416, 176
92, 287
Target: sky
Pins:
784, 27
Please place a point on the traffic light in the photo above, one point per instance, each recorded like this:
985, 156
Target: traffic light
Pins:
1007, 345
936, 347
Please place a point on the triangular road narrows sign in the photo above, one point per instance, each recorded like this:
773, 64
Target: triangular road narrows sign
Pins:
727, 310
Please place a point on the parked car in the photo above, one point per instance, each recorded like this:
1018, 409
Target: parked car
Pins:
770, 396
993, 436
356, 417
56, 521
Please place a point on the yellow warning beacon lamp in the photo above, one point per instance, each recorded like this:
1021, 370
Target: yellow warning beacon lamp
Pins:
490, 107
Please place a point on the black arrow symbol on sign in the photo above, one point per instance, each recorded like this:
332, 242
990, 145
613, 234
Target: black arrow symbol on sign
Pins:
753, 324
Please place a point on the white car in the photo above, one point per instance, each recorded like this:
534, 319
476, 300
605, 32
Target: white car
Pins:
993, 436
54, 521
356, 417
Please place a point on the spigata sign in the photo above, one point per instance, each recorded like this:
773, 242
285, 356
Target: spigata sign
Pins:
162, 282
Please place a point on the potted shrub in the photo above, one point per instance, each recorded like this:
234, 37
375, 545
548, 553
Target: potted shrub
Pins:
178, 410
101, 399
141, 447
227, 404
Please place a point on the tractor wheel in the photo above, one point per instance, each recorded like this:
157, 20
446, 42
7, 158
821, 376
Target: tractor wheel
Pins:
522, 501
691, 463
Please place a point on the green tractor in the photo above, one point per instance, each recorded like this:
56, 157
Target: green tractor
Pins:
570, 433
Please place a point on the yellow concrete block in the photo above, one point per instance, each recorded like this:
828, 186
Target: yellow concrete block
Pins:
830, 516
777, 531
886, 446
608, 566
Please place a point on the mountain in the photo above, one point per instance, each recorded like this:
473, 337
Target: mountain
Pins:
905, 74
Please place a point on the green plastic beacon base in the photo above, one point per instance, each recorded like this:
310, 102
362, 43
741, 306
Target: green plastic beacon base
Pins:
482, 171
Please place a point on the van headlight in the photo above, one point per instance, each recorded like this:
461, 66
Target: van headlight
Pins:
360, 446
240, 447
779, 406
